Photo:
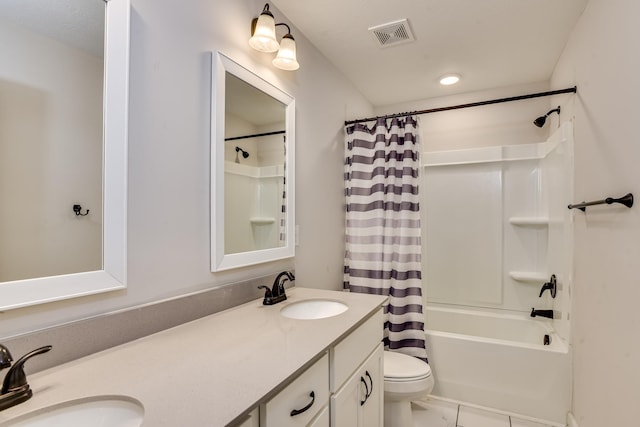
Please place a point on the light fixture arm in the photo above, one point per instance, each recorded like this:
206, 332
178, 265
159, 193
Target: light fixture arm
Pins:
288, 29
254, 22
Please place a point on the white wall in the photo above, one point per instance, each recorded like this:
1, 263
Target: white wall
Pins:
168, 212
50, 118
602, 59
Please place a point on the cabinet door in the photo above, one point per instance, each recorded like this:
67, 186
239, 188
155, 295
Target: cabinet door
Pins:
359, 402
345, 403
371, 411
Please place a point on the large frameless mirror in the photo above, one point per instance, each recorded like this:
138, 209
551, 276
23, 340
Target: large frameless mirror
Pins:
252, 212
63, 149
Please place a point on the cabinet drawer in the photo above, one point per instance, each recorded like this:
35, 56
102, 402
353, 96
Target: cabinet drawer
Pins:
322, 420
296, 397
349, 353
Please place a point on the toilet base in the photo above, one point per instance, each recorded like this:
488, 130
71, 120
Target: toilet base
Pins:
397, 413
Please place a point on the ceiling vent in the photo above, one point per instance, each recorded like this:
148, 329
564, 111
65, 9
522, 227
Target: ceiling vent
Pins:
392, 33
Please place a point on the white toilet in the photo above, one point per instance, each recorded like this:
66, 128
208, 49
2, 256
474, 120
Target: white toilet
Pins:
406, 378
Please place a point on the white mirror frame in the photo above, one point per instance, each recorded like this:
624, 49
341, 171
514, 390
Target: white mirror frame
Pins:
219, 260
22, 293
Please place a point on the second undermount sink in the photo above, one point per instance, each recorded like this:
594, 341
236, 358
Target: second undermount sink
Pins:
99, 411
313, 309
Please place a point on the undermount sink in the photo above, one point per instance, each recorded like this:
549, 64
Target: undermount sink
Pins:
313, 309
99, 411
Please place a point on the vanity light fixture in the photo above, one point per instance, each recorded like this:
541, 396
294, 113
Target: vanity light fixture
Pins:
263, 39
449, 79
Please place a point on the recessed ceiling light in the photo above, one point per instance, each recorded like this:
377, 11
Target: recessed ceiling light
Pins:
449, 79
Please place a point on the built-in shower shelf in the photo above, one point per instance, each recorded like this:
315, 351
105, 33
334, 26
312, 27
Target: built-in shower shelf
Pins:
528, 276
529, 221
262, 220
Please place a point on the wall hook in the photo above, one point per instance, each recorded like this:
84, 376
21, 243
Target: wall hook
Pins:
78, 210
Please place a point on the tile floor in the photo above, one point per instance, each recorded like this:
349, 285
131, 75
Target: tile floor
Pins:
440, 413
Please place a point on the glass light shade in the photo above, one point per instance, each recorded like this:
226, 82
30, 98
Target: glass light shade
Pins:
264, 35
286, 58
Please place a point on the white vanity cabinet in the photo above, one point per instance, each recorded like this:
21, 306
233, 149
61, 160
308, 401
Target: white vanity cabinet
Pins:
302, 402
358, 391
347, 385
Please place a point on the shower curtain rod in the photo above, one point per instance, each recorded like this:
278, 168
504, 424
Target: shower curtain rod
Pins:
255, 135
472, 104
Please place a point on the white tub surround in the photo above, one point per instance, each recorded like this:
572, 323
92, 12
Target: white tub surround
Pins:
497, 226
211, 371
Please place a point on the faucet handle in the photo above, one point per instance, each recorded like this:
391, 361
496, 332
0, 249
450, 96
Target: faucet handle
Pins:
267, 291
268, 295
5, 357
551, 285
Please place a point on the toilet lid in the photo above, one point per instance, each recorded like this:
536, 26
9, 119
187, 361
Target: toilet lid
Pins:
399, 367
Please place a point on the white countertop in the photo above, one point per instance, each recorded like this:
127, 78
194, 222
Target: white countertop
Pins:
206, 372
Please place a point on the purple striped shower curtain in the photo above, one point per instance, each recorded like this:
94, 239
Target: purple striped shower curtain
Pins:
383, 246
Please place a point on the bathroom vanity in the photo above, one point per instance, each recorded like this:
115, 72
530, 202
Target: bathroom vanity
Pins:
246, 366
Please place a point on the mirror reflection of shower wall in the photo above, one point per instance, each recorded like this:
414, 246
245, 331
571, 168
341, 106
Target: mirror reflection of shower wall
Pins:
51, 111
254, 182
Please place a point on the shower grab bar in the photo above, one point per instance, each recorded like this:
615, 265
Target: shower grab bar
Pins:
626, 200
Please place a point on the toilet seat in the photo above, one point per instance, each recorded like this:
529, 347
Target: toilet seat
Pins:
400, 368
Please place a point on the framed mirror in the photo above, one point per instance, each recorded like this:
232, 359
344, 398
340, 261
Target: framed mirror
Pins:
252, 153
64, 148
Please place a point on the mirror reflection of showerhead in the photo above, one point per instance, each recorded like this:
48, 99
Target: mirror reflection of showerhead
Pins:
245, 154
540, 121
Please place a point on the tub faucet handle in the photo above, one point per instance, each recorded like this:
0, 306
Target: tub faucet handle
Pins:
551, 285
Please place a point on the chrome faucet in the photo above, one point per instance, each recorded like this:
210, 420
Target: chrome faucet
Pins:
15, 388
277, 292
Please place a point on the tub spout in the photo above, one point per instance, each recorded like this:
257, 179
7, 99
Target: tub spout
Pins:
542, 313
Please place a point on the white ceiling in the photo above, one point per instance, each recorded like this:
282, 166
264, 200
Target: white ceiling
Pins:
491, 43
79, 23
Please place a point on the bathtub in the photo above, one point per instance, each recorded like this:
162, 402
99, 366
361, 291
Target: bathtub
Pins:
499, 361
